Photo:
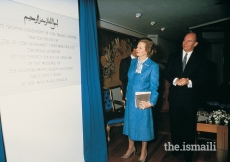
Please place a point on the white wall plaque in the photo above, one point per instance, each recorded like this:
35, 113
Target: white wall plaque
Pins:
39, 49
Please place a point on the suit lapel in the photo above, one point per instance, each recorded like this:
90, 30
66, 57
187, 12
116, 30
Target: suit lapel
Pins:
146, 64
179, 62
134, 66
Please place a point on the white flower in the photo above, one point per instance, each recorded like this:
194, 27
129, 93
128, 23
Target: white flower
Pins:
217, 122
219, 117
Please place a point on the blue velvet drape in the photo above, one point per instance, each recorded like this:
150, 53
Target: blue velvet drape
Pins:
2, 149
95, 146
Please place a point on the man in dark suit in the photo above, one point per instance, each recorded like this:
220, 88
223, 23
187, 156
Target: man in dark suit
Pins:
187, 72
124, 68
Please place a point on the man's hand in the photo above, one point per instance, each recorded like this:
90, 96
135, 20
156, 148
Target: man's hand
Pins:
182, 81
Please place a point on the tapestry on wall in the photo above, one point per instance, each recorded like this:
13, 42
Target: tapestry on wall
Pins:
113, 47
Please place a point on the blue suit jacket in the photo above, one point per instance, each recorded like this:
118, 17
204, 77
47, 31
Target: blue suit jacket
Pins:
147, 80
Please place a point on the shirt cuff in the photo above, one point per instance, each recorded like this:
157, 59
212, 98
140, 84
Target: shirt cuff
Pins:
189, 84
174, 81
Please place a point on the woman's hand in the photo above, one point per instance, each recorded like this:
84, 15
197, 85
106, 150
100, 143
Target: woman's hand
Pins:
144, 105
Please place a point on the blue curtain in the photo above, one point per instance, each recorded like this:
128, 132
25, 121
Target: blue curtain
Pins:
95, 145
2, 149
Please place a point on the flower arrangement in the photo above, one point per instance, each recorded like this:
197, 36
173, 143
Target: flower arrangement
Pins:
219, 117
203, 113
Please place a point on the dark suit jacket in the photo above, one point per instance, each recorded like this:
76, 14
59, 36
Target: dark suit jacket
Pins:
196, 70
123, 73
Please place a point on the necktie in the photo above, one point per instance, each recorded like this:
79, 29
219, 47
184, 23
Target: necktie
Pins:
184, 61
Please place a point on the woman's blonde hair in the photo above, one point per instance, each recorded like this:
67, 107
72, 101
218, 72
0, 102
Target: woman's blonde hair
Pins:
150, 46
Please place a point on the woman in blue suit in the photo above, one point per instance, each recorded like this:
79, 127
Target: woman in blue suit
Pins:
143, 76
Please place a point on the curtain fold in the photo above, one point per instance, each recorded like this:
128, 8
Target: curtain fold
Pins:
95, 145
2, 148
